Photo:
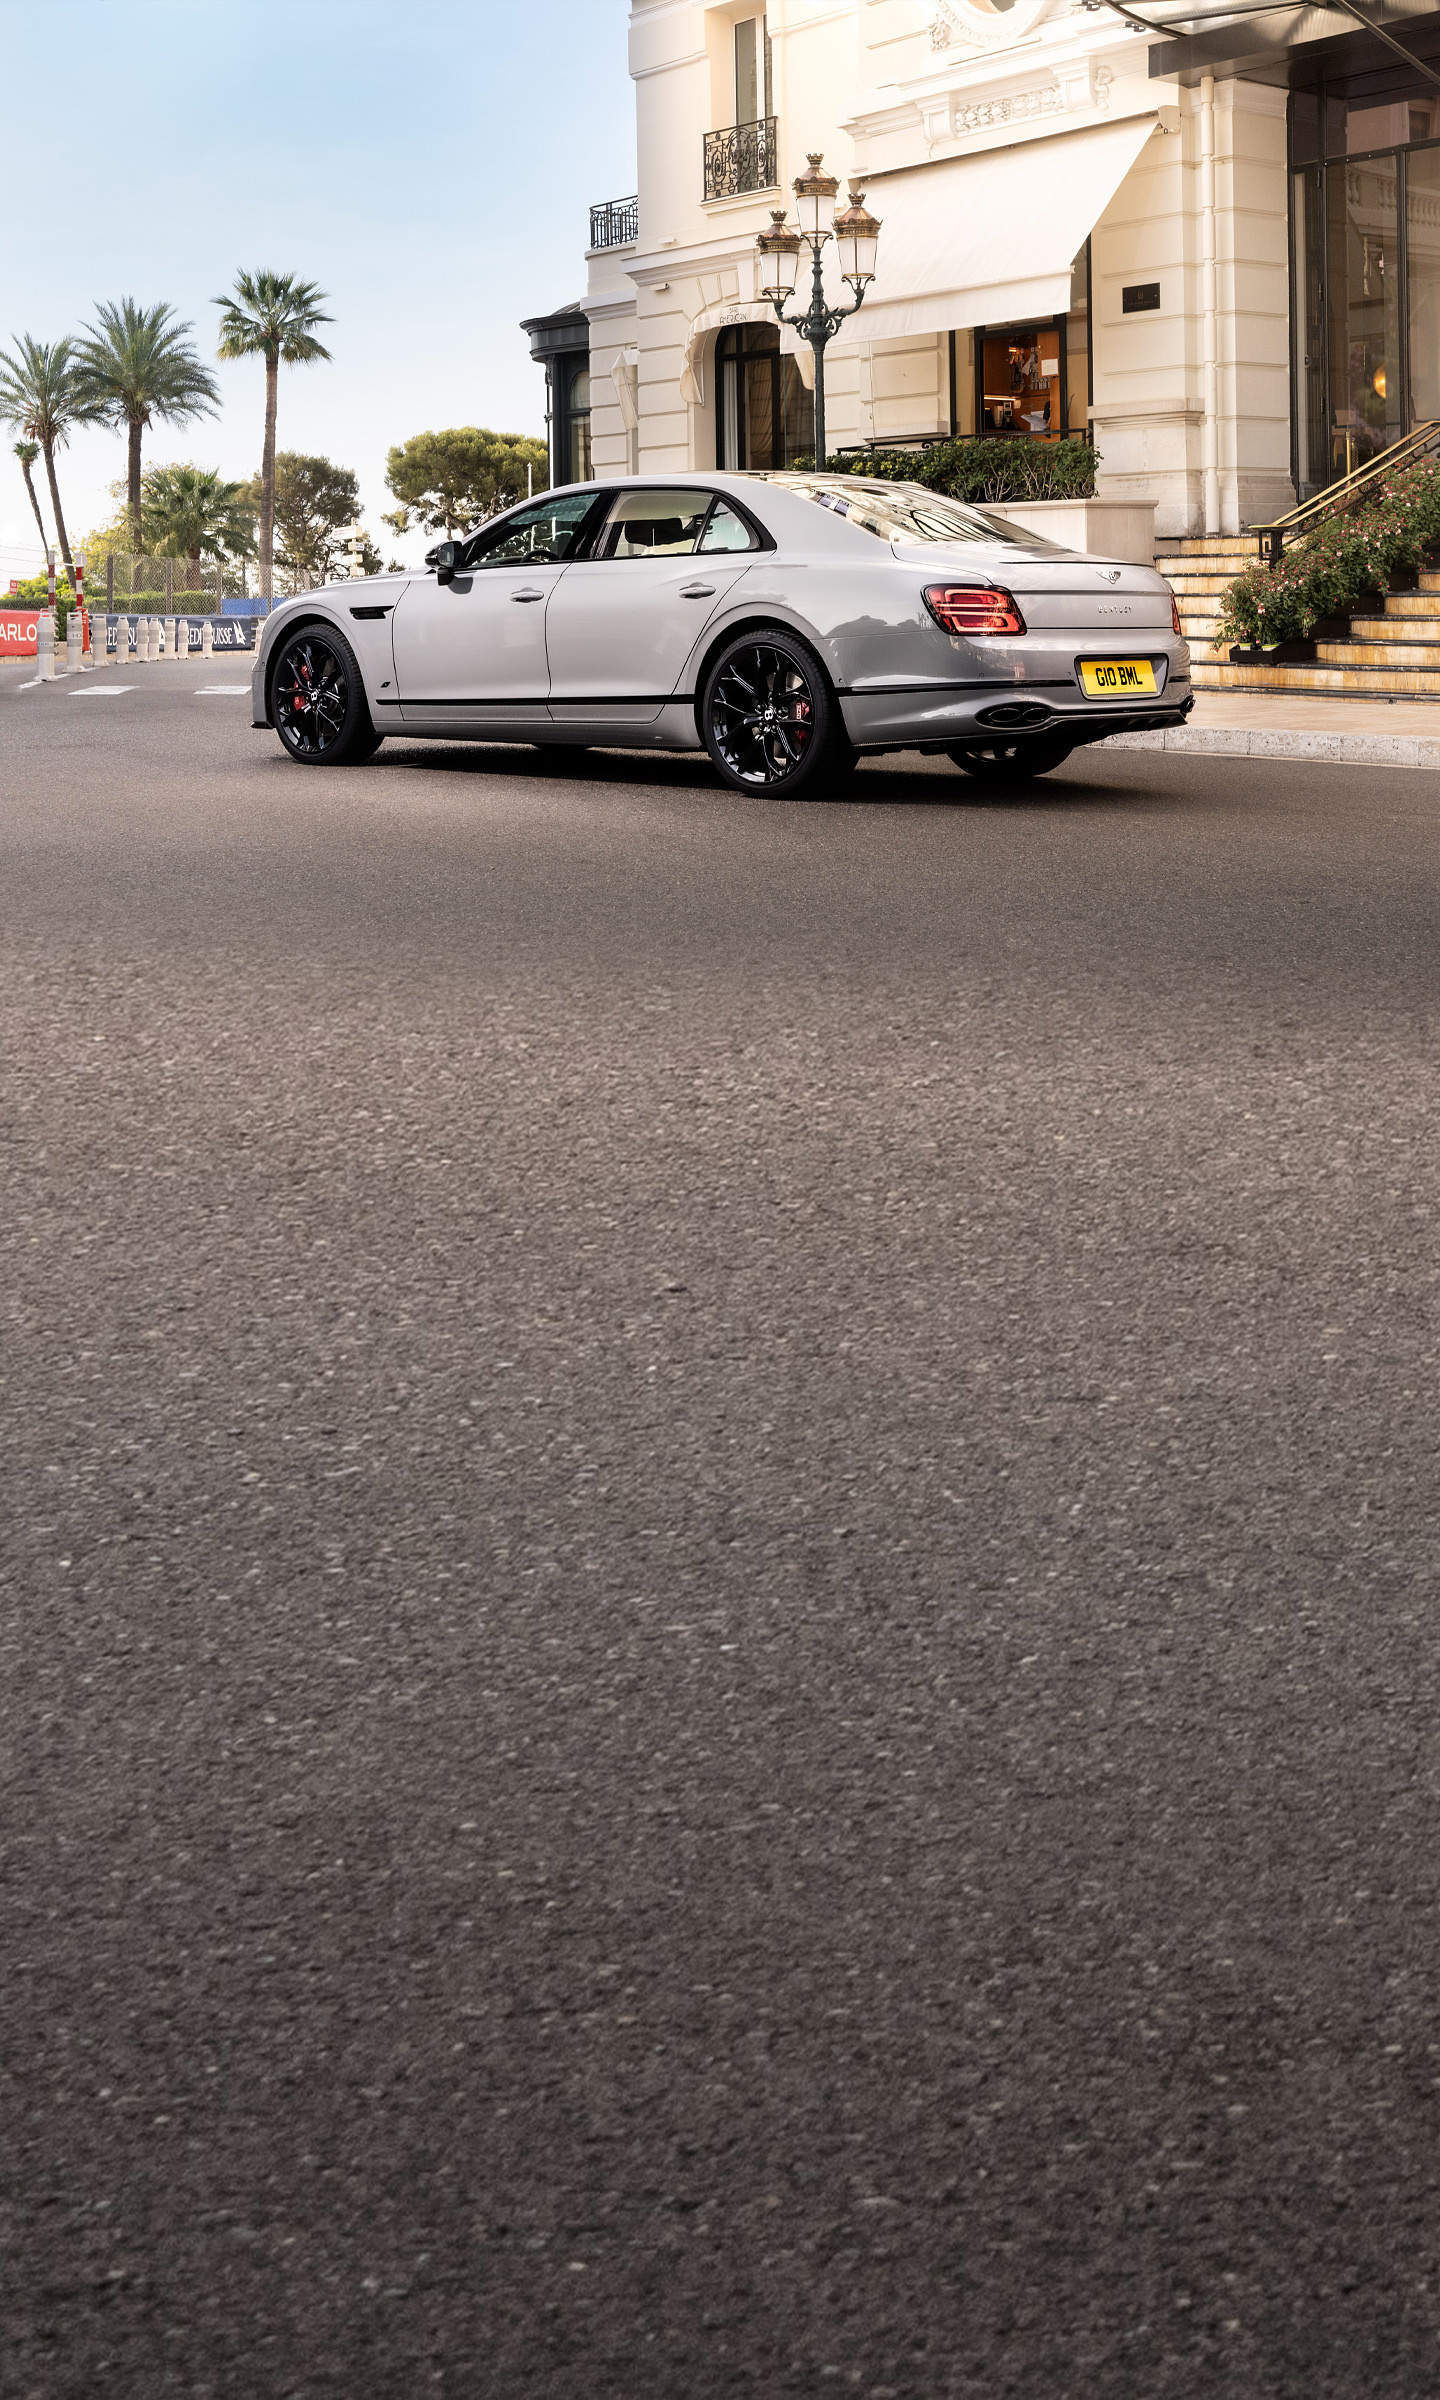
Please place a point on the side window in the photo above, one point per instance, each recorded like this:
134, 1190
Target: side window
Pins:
726, 531
543, 534
657, 524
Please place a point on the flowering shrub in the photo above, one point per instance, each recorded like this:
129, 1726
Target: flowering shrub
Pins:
983, 468
1331, 571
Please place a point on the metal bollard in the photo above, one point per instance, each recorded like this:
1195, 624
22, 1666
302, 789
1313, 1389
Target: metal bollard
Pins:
207, 638
45, 647
74, 641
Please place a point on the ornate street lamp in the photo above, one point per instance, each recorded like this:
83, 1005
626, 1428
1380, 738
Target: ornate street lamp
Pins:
857, 234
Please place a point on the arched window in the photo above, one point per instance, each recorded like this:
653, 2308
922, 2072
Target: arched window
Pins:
764, 417
577, 417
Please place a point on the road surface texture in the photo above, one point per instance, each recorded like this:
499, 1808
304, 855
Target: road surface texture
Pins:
720, 1656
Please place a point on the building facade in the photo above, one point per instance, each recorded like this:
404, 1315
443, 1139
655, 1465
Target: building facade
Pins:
1210, 243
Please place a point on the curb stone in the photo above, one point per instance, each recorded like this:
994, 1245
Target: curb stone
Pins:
1326, 749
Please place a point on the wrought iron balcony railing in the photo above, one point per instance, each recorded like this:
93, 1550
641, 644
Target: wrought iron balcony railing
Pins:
741, 158
613, 223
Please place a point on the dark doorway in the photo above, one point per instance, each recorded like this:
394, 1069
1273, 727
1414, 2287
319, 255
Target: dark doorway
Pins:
764, 417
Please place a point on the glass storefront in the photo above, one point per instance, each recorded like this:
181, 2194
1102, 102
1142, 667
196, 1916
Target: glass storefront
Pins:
1020, 380
1365, 233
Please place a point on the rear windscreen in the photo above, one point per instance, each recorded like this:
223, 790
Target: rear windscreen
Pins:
906, 512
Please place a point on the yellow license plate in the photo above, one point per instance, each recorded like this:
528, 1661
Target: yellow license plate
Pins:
1116, 678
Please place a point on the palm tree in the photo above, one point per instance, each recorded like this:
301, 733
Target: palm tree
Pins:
40, 395
275, 317
136, 366
27, 453
191, 511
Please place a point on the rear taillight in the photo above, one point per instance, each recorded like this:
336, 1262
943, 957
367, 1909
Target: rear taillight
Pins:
1175, 616
972, 608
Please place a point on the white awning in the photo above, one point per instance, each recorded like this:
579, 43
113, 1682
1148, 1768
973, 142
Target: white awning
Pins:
714, 320
991, 238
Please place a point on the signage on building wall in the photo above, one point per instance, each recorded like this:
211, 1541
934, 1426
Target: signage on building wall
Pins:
1137, 296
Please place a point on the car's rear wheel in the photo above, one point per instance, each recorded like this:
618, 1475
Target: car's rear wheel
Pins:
769, 718
317, 700
1005, 763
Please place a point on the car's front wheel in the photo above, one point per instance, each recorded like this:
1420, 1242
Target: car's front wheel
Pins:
1008, 763
768, 717
317, 700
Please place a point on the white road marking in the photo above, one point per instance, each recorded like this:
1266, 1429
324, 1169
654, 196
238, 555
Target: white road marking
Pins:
96, 691
222, 691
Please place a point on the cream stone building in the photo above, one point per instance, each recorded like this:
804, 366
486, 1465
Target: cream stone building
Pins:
1210, 240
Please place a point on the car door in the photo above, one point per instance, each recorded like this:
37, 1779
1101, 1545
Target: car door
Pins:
624, 621
470, 653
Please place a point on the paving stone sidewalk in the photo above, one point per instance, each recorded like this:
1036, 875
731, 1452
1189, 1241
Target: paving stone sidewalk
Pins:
1399, 733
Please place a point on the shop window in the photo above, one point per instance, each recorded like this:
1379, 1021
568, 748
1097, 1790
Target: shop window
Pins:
1020, 378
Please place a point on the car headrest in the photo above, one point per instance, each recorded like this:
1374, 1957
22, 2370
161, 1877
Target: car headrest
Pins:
652, 533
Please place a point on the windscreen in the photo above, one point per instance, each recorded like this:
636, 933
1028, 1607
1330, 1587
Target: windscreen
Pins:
906, 512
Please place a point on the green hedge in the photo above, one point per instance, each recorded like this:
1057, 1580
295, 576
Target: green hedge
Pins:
35, 587
1347, 559
995, 469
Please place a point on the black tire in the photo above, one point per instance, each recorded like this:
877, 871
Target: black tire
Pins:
1007, 763
317, 700
768, 716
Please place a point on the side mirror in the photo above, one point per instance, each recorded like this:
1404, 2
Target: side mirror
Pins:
444, 558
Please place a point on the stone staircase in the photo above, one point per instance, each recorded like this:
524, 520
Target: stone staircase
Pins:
1392, 656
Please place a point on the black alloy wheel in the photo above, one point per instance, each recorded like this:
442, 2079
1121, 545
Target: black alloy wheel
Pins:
769, 720
1006, 763
317, 700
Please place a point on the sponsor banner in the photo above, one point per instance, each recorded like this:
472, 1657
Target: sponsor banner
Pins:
226, 633
18, 620
17, 628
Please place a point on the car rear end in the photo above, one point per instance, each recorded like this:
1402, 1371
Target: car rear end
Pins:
1043, 645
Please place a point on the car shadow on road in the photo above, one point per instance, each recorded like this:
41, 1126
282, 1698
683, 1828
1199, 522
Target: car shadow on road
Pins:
917, 783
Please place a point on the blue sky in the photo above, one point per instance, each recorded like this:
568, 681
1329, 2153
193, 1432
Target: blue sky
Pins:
429, 163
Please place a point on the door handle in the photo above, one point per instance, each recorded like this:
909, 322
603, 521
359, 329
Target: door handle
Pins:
697, 591
527, 595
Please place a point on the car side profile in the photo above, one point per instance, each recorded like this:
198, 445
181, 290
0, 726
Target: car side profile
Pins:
788, 624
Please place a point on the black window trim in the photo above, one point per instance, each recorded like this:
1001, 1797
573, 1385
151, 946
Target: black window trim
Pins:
760, 539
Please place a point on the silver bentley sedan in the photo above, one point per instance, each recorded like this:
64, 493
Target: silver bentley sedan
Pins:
787, 624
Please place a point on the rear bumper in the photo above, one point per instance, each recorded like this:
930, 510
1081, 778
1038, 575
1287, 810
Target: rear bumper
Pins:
936, 723
1047, 706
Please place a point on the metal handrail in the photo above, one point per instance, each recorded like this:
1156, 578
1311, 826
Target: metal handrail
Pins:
1337, 496
742, 158
615, 224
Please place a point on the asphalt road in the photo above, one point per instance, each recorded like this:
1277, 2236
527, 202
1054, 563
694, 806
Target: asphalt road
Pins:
719, 1627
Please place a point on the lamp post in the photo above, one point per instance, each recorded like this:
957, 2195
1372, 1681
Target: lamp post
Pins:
857, 235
